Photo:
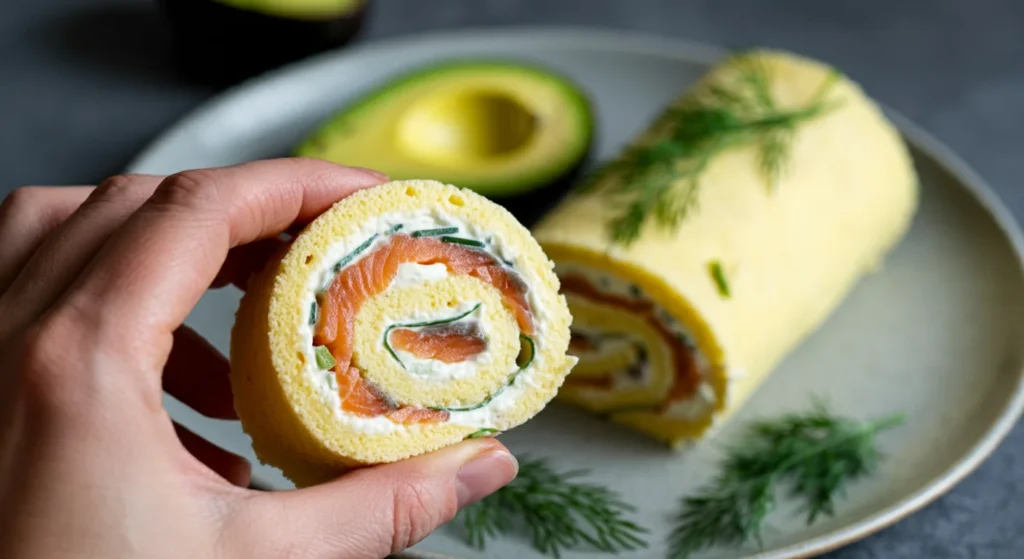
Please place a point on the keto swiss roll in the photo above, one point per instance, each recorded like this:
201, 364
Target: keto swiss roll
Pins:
407, 317
721, 237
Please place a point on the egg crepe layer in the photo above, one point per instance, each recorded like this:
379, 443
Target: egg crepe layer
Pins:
675, 330
406, 318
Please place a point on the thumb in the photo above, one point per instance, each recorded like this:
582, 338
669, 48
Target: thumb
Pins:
380, 510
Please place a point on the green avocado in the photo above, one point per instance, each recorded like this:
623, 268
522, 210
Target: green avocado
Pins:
516, 133
298, 9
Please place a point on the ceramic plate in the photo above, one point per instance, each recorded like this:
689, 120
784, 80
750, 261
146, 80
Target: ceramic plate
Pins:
935, 335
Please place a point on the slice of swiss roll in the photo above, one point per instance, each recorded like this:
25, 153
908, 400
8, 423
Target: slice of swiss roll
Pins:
407, 317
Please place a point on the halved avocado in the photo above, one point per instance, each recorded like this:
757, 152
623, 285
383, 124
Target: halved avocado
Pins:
518, 134
225, 41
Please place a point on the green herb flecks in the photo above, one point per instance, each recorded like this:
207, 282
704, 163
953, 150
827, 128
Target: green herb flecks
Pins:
815, 453
395, 228
718, 275
659, 180
314, 313
352, 255
324, 359
435, 232
480, 433
332, 380
462, 241
556, 511
456, 318
523, 365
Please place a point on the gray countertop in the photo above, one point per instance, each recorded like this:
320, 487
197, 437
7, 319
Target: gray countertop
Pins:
84, 84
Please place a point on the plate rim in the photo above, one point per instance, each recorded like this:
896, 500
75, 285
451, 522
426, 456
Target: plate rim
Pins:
667, 46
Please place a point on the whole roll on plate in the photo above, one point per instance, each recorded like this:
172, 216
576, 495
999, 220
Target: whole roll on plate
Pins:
721, 237
407, 317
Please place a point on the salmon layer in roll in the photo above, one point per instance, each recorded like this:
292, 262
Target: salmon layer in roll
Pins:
721, 237
406, 318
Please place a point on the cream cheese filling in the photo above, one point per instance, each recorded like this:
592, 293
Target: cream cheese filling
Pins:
371, 236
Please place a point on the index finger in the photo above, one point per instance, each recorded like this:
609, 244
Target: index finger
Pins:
157, 265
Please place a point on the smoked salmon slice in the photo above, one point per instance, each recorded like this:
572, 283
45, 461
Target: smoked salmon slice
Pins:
687, 377
448, 343
357, 283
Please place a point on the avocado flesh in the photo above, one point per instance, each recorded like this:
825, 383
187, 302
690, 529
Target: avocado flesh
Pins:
504, 130
299, 9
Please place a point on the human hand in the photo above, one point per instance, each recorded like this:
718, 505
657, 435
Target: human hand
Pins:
94, 286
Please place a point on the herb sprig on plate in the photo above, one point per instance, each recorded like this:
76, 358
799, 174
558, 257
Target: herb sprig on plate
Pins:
816, 454
556, 511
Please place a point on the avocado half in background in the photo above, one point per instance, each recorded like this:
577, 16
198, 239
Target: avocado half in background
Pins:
515, 133
226, 41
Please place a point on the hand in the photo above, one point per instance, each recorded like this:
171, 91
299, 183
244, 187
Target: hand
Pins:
94, 286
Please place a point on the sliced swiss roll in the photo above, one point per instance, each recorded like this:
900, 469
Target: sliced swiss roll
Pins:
721, 237
408, 317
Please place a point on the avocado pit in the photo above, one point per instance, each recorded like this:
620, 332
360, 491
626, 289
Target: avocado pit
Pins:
466, 127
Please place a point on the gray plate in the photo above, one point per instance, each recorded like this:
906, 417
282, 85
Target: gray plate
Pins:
936, 335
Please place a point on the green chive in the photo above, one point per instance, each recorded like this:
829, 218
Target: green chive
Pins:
485, 432
511, 378
313, 312
324, 359
718, 275
435, 232
462, 241
352, 255
634, 290
395, 229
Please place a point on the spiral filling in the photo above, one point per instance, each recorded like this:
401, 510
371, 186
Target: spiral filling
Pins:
634, 356
422, 319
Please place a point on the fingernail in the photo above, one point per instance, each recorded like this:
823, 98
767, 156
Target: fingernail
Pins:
375, 174
485, 474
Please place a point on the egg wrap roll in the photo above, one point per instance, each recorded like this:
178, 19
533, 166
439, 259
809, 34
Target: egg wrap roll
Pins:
407, 317
676, 327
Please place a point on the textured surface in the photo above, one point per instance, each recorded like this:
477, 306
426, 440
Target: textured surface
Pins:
87, 83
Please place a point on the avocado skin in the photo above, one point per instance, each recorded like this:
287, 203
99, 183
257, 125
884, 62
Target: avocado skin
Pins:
532, 205
223, 45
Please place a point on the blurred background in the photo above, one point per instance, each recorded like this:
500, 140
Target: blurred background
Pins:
86, 84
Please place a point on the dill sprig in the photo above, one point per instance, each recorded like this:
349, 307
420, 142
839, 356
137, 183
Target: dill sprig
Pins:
815, 453
660, 180
556, 511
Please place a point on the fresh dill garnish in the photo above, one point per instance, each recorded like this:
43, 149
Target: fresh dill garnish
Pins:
815, 453
314, 313
659, 180
718, 275
556, 511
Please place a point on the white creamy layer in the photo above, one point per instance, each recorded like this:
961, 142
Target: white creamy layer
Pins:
690, 408
323, 381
